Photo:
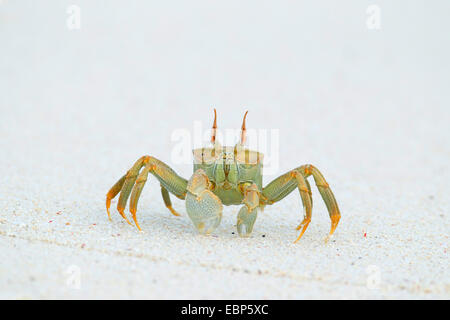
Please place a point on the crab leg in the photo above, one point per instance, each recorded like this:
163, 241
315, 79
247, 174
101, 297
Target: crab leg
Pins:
326, 193
128, 185
113, 192
133, 182
285, 184
306, 195
136, 193
167, 202
302, 224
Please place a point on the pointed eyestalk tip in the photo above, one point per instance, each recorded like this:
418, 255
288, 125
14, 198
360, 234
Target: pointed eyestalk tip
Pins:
215, 119
243, 129
243, 122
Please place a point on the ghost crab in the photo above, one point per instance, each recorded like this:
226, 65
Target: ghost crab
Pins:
223, 176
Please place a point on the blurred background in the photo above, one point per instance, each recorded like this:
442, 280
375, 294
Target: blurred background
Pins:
357, 88
134, 72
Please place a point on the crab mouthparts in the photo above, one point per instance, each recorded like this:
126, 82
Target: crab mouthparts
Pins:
226, 169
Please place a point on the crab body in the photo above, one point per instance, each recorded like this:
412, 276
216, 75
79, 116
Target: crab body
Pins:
223, 176
229, 168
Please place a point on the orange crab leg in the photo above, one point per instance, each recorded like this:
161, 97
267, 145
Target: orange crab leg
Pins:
113, 192
133, 182
167, 202
130, 179
137, 189
305, 194
326, 193
286, 183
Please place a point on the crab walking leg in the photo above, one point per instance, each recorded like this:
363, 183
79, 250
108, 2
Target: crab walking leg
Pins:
166, 176
203, 207
285, 184
168, 179
113, 192
130, 179
136, 193
306, 195
326, 193
310, 193
248, 213
167, 202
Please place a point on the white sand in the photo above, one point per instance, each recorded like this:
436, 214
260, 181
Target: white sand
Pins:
368, 108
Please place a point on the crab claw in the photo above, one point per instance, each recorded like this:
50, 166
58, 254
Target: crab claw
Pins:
245, 221
202, 206
205, 211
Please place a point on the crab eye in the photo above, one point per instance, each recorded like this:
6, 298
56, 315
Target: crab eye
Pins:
206, 155
247, 157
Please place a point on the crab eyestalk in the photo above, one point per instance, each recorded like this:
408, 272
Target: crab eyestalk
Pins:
243, 130
214, 128
216, 145
239, 146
